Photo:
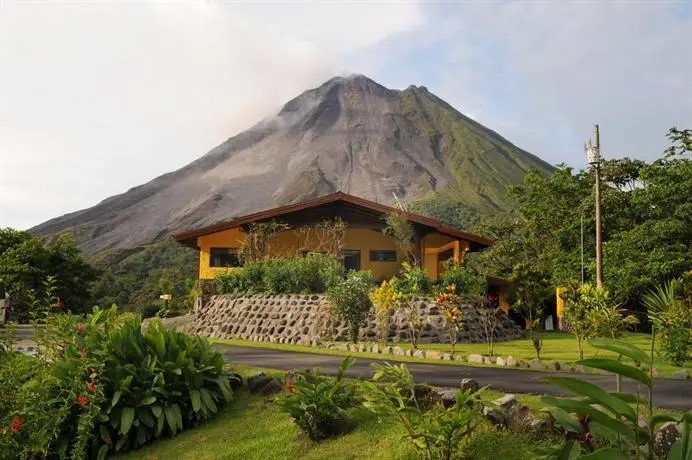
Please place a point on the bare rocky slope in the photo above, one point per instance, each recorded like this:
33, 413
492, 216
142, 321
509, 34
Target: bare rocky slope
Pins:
349, 134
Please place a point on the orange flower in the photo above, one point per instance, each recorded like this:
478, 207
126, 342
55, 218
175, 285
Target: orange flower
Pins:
80, 328
91, 386
289, 386
82, 400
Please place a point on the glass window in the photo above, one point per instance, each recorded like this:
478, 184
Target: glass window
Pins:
224, 257
351, 259
382, 256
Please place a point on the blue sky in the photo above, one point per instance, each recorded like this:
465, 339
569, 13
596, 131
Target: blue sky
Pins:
98, 97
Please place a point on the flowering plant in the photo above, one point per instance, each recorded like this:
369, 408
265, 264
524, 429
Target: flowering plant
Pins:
448, 300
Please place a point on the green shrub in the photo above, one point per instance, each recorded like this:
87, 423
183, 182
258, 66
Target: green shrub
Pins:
436, 432
351, 300
157, 384
318, 404
232, 282
312, 274
100, 385
466, 280
413, 280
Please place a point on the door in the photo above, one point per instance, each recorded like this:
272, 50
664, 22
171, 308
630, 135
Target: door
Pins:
352, 259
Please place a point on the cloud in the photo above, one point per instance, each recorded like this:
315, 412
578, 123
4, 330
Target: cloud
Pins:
542, 73
98, 97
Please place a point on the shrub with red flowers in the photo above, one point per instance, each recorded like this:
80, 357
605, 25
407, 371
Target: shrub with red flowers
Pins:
448, 300
17, 423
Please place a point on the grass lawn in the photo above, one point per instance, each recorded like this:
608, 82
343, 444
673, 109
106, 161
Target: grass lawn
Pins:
252, 427
557, 346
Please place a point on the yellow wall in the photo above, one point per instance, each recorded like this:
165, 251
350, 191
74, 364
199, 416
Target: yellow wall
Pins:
225, 239
288, 243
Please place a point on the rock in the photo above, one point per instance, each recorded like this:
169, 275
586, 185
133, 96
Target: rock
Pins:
257, 381
471, 384
459, 358
475, 359
387, 350
271, 387
408, 353
291, 376
512, 361
432, 354
555, 366
536, 364
665, 438
448, 397
579, 368
361, 348
342, 347
500, 361
419, 354
507, 402
398, 351
375, 349
495, 416
427, 397
681, 375
654, 372
488, 360
447, 356
235, 380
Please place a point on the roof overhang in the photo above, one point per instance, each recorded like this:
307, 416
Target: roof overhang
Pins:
348, 203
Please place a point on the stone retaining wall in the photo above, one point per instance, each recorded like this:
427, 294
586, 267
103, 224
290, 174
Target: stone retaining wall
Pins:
307, 319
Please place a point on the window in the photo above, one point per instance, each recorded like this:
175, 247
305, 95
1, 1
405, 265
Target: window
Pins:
382, 256
224, 257
352, 259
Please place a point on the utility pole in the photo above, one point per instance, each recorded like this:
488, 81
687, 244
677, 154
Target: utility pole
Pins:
594, 155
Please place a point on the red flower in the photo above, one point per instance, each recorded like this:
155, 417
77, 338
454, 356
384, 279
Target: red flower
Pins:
59, 303
91, 386
17, 423
82, 400
289, 386
80, 328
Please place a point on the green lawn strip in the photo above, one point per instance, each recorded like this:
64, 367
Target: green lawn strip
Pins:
557, 346
252, 427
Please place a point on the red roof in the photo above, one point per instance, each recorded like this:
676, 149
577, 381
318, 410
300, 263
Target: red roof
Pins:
185, 236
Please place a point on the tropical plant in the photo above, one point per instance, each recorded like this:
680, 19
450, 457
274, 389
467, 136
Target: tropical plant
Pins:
437, 432
671, 318
448, 300
351, 300
589, 313
318, 404
411, 283
612, 417
100, 385
384, 299
157, 384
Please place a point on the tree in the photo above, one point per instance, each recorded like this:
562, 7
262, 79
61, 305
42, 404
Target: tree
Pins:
489, 315
401, 229
448, 300
26, 264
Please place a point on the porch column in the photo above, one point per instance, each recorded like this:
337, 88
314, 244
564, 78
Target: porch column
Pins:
457, 253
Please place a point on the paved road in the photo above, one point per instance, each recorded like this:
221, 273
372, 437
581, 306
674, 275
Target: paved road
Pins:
668, 393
